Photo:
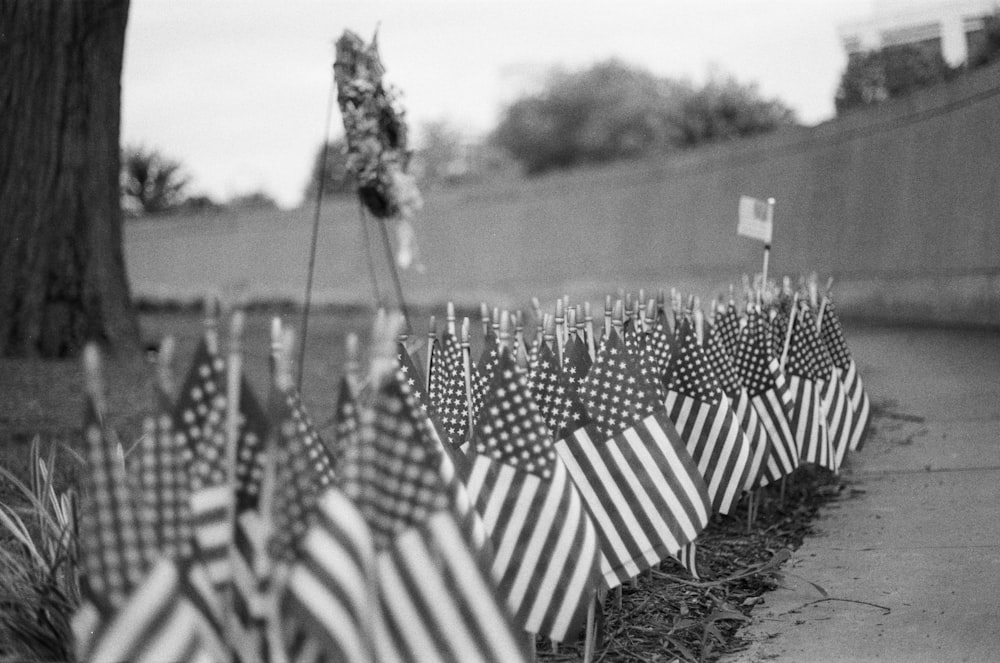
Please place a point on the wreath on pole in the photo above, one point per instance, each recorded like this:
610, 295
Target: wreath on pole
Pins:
378, 156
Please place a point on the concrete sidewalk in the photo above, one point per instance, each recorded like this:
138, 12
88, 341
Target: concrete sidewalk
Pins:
908, 562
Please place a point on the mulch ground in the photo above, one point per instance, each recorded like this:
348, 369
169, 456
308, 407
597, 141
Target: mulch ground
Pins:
665, 616
669, 616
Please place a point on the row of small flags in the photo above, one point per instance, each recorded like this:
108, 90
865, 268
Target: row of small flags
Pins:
456, 511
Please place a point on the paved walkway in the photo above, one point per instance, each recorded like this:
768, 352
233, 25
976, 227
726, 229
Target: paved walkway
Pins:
909, 560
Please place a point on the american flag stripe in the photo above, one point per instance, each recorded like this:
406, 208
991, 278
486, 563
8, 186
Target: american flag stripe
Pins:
113, 546
469, 518
539, 543
716, 443
211, 513
687, 557
643, 492
860, 404
760, 444
808, 422
249, 585
439, 616
774, 417
158, 623
330, 593
839, 415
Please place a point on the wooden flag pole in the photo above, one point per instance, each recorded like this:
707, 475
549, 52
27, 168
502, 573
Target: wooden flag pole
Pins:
767, 245
352, 365
618, 317
165, 370
504, 330
588, 319
234, 373
467, 370
560, 330
788, 332
450, 320
431, 340
608, 312
484, 316
211, 307
590, 636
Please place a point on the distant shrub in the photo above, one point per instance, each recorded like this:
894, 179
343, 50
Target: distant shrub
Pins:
151, 182
889, 73
616, 111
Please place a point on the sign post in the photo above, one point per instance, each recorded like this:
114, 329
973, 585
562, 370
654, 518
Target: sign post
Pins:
756, 220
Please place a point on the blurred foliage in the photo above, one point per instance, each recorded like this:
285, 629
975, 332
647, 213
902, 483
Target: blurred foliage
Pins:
987, 50
889, 73
151, 182
616, 111
441, 158
337, 180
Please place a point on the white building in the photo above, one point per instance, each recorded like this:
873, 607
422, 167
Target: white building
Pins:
953, 28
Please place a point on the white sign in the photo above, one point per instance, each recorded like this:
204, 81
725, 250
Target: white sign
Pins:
755, 217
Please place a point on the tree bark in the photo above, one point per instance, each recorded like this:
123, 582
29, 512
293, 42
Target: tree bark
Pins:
62, 266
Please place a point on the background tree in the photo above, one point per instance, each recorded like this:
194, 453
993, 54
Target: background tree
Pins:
889, 73
151, 181
725, 109
987, 48
337, 181
61, 253
617, 111
253, 200
440, 159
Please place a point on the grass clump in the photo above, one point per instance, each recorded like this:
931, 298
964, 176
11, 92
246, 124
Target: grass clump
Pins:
39, 588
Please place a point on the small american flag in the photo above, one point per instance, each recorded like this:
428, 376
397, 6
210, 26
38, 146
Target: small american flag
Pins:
451, 402
551, 391
575, 367
746, 414
483, 370
833, 397
346, 422
765, 383
330, 602
199, 418
706, 422
163, 489
249, 562
641, 487
170, 616
660, 345
303, 471
804, 382
413, 378
436, 597
546, 547
727, 325
833, 337
114, 552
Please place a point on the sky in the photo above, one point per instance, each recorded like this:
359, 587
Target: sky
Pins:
237, 90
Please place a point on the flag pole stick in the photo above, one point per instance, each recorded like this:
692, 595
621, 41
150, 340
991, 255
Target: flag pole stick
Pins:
589, 324
467, 370
431, 340
310, 270
560, 330
590, 636
788, 332
395, 275
767, 245
234, 372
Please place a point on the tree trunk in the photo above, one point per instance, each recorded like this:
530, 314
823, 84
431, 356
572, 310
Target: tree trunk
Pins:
62, 264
